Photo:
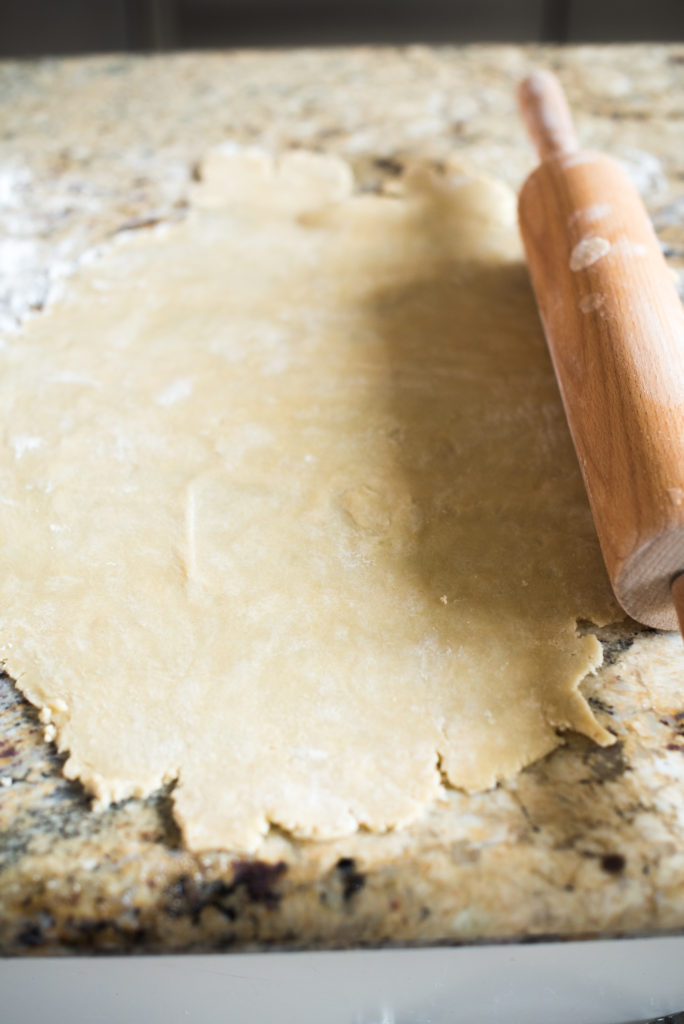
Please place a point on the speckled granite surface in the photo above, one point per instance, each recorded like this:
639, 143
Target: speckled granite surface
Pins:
586, 842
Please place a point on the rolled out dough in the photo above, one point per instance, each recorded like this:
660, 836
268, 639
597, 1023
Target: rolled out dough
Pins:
289, 509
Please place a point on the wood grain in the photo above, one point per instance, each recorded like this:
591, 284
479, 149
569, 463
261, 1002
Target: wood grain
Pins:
615, 328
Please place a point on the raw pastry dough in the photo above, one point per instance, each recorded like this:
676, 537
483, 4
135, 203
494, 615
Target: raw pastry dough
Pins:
289, 509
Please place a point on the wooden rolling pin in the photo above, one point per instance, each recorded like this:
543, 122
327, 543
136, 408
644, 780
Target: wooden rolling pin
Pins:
615, 327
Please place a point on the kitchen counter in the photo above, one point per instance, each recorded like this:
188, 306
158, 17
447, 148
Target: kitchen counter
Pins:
588, 841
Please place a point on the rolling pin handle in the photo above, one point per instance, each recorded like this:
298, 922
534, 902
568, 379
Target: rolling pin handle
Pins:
678, 599
547, 115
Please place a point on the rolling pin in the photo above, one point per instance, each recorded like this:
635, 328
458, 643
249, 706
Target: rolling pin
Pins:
615, 328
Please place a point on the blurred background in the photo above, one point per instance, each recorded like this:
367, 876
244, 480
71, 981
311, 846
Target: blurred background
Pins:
31, 28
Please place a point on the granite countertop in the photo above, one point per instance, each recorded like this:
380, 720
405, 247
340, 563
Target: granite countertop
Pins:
587, 842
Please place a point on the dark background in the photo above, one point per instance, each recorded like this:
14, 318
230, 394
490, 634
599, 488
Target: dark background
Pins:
44, 27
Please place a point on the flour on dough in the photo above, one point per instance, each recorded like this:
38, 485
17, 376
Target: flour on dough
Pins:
289, 509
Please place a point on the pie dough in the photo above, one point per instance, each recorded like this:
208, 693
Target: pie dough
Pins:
290, 511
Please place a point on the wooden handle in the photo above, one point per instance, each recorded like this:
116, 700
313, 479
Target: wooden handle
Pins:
547, 115
615, 328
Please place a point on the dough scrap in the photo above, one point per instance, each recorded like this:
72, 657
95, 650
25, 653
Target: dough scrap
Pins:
290, 511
